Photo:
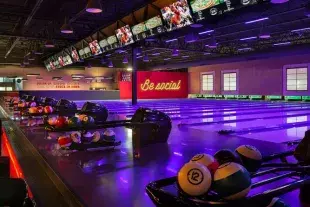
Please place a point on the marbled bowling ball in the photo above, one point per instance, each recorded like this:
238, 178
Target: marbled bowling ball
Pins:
232, 181
250, 156
225, 155
194, 179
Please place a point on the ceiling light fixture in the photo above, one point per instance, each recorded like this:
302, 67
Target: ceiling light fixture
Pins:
94, 6
282, 43
190, 38
175, 52
33, 74
248, 38
279, 1
172, 40
213, 43
257, 20
206, 32
66, 28
307, 10
156, 54
264, 34
138, 51
49, 44
146, 58
31, 57
245, 49
301, 30
77, 76
167, 59
125, 60
110, 65
129, 69
207, 53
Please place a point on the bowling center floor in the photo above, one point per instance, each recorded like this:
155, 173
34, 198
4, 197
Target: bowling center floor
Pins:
118, 177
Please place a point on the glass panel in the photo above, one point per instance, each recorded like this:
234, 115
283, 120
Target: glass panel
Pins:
2, 88
291, 82
302, 87
233, 88
301, 82
9, 89
233, 84
233, 79
226, 75
291, 87
233, 75
301, 76
302, 70
291, 71
226, 88
291, 76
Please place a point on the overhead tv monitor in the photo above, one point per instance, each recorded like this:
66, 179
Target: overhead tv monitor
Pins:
112, 43
204, 9
103, 44
124, 35
61, 61
95, 48
67, 59
154, 26
81, 53
139, 31
87, 52
74, 55
177, 15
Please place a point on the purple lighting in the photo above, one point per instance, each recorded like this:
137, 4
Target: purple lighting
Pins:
175, 52
93, 6
178, 154
172, 40
301, 30
245, 49
185, 56
206, 32
156, 54
282, 43
279, 1
125, 60
167, 59
110, 65
257, 20
146, 58
248, 38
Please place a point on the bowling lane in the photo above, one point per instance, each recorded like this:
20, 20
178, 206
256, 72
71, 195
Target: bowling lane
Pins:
279, 136
210, 120
239, 126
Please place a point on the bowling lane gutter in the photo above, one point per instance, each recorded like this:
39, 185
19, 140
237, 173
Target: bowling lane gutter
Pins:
206, 108
195, 111
271, 128
233, 114
241, 120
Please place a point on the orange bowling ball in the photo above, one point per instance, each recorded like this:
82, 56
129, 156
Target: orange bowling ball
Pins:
33, 110
48, 109
40, 109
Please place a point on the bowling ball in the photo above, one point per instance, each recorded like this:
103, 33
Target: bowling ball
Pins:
276, 202
109, 135
96, 136
32, 104
40, 109
52, 121
194, 179
251, 157
48, 109
64, 141
61, 122
226, 155
88, 120
206, 160
232, 181
76, 137
74, 122
33, 110
88, 137
81, 116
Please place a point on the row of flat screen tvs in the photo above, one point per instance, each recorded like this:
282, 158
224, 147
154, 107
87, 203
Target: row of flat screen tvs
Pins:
177, 15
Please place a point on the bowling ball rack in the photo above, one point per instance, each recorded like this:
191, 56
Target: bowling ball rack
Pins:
148, 127
165, 192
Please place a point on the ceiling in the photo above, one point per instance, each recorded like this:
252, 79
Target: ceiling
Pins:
228, 30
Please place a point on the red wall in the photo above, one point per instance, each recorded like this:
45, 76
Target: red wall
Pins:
156, 85
256, 77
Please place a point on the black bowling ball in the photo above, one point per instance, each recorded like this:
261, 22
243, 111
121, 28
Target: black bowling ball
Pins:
225, 155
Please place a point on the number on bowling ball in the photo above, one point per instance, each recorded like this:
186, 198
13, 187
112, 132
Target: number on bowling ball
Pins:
195, 176
197, 157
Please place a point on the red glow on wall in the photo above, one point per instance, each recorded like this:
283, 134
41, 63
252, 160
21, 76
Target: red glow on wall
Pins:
15, 169
156, 85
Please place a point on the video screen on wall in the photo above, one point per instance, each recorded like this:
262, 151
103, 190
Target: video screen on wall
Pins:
154, 26
95, 48
84, 53
61, 61
139, 31
124, 35
67, 59
203, 9
112, 43
74, 55
177, 15
103, 44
